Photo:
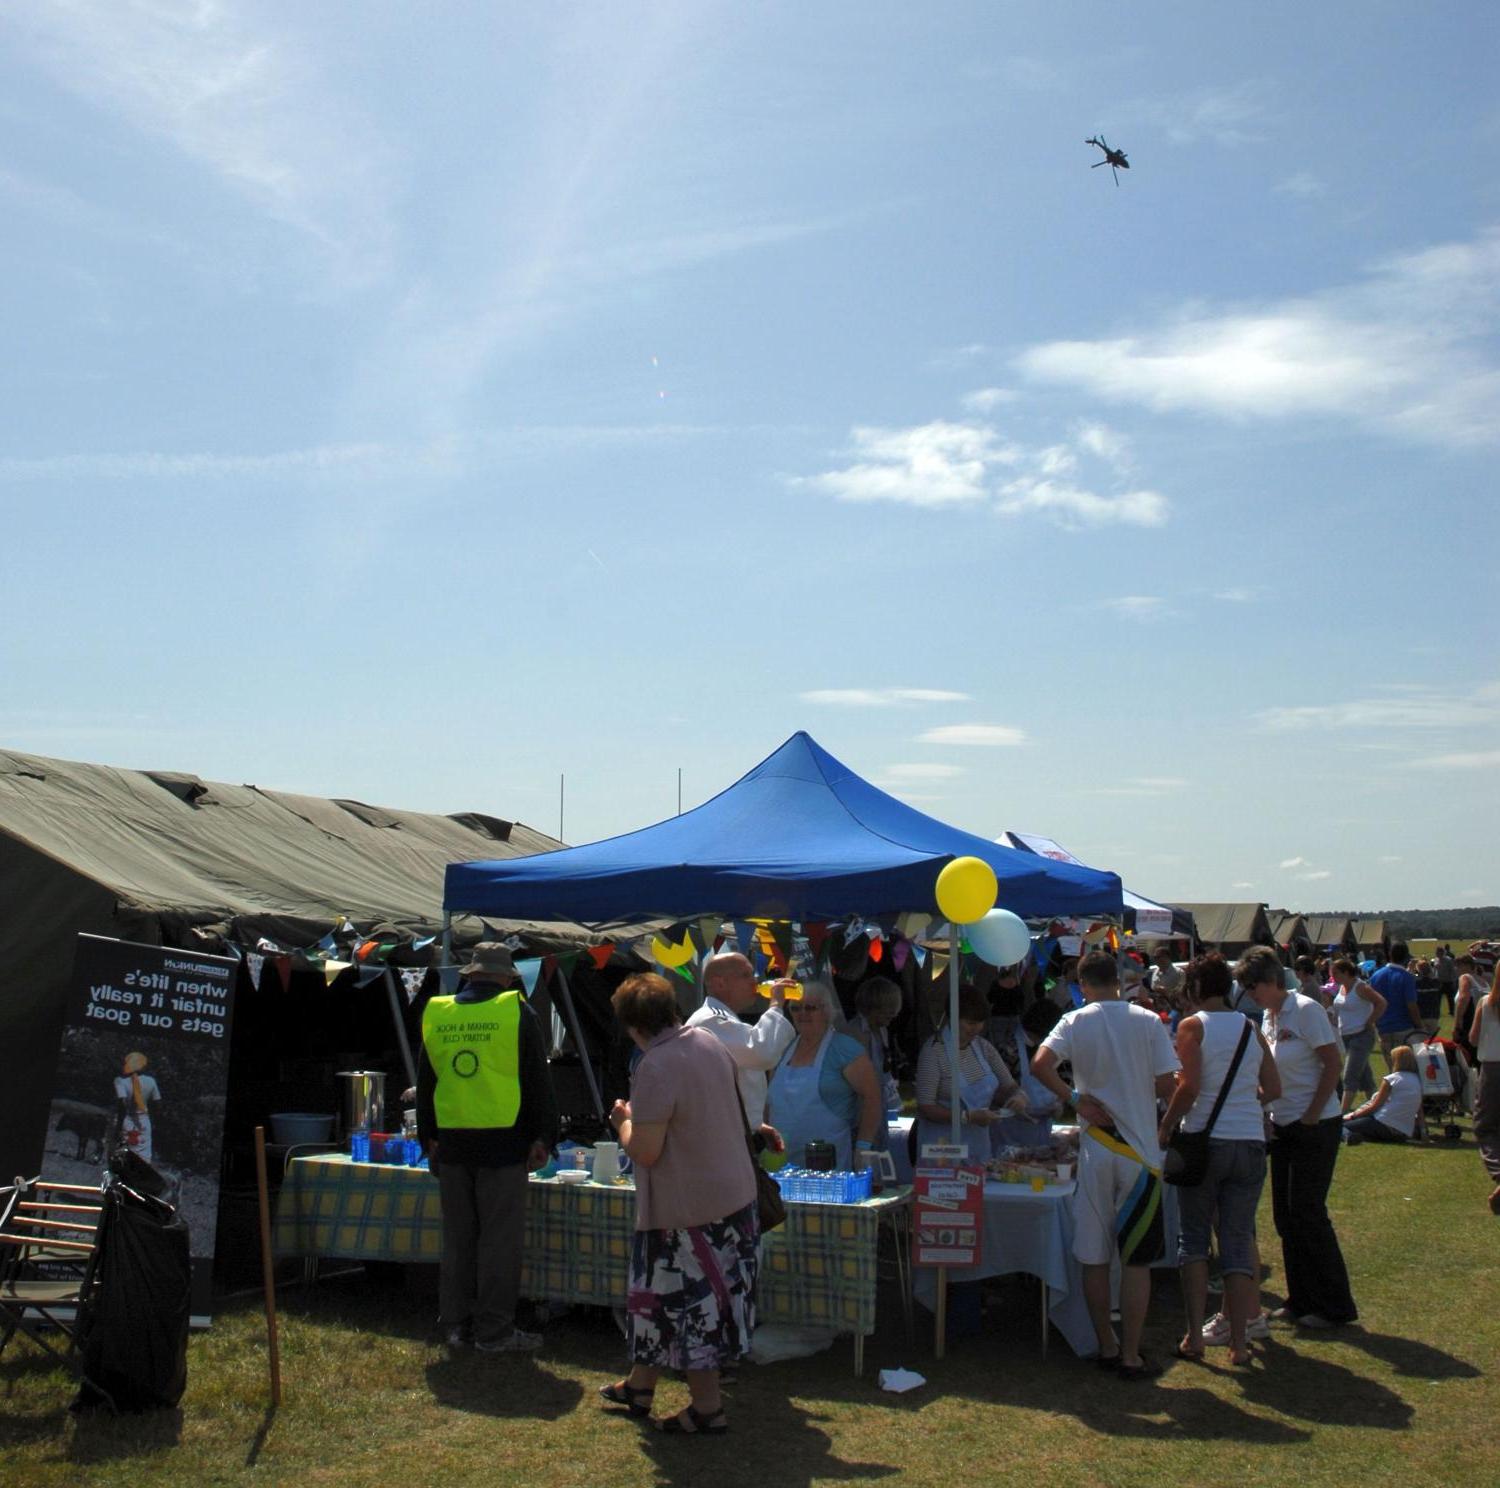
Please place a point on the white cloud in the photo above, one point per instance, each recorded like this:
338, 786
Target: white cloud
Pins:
1071, 506
1143, 785
1401, 352
1302, 184
1237, 596
950, 464
1291, 862
905, 774
1485, 759
1237, 115
932, 465
1244, 883
977, 734
880, 697
1141, 607
240, 99
1315, 876
1402, 708
986, 400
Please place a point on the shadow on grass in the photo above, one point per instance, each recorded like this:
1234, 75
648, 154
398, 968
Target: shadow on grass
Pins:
1409, 1357
772, 1440
510, 1387
1318, 1390
100, 1436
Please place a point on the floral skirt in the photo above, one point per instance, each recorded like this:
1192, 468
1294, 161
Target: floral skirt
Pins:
692, 1293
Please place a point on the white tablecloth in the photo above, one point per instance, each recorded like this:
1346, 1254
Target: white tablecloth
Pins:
1030, 1232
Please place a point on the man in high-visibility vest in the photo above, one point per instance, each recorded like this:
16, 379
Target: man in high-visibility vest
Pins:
486, 1116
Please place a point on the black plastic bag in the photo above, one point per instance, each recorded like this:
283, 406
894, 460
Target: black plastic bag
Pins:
134, 1341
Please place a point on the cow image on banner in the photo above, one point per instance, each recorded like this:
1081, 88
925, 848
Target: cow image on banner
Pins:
144, 1066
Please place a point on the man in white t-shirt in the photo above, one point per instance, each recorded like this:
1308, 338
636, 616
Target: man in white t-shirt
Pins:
1123, 1063
729, 990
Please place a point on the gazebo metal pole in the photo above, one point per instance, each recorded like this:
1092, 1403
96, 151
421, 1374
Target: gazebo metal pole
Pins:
955, 938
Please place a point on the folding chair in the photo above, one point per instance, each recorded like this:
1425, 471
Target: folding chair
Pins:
50, 1240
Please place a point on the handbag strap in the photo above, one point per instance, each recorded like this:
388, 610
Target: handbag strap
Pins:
1234, 1067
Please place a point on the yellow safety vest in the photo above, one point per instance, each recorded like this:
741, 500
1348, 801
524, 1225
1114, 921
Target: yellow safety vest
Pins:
475, 1051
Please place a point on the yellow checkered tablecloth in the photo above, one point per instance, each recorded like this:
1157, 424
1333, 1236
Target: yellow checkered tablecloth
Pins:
818, 1268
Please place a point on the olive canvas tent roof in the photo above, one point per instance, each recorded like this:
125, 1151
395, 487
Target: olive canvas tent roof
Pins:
1372, 934
801, 837
1331, 930
167, 858
1230, 926
1287, 926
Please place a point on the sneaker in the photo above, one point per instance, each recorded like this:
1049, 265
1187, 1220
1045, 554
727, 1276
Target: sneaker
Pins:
517, 1343
1216, 1329
1283, 1315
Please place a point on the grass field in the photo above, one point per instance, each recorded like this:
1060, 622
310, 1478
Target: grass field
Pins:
1407, 1396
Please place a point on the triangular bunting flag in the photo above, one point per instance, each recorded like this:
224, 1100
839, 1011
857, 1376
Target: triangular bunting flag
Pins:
367, 974
877, 951
900, 954
939, 965
600, 955
744, 936
283, 965
412, 978
529, 972
332, 970
255, 963
686, 973
920, 953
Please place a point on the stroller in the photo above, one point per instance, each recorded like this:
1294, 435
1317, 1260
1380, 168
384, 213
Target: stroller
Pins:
1447, 1083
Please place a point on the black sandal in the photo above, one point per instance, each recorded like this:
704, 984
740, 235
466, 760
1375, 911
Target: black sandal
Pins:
637, 1402
692, 1422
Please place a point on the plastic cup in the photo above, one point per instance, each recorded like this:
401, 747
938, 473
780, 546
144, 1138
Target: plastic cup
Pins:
1038, 1183
359, 1146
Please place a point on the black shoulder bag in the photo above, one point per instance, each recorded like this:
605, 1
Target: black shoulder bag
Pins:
770, 1207
1186, 1160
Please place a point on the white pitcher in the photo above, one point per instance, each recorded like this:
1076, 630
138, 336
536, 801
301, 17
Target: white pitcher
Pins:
606, 1162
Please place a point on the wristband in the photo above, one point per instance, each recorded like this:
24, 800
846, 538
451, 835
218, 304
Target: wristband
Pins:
863, 1146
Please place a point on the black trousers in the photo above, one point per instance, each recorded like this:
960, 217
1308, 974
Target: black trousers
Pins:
1302, 1161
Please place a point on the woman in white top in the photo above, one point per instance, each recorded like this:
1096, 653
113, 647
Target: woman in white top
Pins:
1469, 994
1356, 1009
1227, 1197
1306, 1134
1484, 1034
1391, 1114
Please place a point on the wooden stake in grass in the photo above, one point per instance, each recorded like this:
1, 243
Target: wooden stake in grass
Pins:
267, 1269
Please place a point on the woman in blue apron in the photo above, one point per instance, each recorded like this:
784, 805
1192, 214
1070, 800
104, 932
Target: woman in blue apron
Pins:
984, 1083
824, 1089
1032, 1128
876, 1003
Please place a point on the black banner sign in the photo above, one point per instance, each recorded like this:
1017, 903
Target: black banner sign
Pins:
145, 1065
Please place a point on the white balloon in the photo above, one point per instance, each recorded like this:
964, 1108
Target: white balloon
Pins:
1001, 938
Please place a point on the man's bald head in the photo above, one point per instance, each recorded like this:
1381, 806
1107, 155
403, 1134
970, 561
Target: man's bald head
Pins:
730, 978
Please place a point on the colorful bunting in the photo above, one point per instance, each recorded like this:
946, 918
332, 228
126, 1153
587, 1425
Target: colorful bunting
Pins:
900, 954
412, 978
600, 955
255, 963
332, 970
529, 972
877, 951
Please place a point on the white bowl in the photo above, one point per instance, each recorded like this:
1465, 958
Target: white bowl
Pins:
572, 1175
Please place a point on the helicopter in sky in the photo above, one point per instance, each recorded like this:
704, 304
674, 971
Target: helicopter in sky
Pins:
1114, 159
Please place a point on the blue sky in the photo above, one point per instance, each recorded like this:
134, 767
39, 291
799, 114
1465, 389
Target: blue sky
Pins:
418, 404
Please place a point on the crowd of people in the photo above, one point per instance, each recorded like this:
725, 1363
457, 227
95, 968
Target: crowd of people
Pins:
1270, 1071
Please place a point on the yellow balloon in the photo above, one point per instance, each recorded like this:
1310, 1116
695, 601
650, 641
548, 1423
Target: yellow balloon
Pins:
672, 955
966, 890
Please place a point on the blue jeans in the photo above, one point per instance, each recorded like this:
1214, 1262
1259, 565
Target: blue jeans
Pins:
1225, 1201
1357, 1050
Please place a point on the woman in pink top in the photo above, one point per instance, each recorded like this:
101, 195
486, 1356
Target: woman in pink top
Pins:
691, 1303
